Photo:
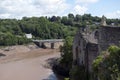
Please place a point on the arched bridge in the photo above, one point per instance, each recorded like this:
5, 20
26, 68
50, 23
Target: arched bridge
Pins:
41, 43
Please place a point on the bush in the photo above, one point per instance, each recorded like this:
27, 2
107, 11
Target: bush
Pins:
66, 53
107, 65
78, 73
8, 39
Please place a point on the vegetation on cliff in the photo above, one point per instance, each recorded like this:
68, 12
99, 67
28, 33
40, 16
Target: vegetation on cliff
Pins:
66, 53
78, 73
65, 62
107, 65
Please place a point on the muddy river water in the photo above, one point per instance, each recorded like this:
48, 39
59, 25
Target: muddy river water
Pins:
28, 69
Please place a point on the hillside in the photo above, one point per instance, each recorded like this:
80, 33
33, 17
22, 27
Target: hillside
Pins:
12, 31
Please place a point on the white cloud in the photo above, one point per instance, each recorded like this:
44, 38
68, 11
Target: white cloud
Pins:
115, 14
82, 6
20, 8
79, 9
86, 1
51, 6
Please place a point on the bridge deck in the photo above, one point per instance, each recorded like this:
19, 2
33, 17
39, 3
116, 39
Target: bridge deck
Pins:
49, 40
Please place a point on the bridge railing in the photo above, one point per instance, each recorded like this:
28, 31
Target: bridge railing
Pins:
49, 40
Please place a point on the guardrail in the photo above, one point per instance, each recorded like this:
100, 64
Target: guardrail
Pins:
49, 40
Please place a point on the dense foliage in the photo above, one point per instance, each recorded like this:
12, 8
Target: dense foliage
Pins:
46, 27
42, 28
65, 62
107, 65
13, 31
8, 39
78, 73
66, 53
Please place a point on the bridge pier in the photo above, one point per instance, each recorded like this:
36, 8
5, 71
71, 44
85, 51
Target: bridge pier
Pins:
52, 45
41, 43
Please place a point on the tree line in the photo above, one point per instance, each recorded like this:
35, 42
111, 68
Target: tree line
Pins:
12, 31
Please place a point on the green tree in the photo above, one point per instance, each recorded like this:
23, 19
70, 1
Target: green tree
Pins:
107, 65
70, 16
78, 18
66, 53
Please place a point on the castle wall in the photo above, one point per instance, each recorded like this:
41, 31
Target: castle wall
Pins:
76, 50
108, 36
79, 45
92, 53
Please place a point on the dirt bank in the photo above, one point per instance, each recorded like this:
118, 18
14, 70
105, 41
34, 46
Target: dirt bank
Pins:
14, 53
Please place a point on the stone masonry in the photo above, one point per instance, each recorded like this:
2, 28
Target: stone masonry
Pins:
87, 46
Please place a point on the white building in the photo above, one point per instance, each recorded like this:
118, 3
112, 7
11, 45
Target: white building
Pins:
29, 36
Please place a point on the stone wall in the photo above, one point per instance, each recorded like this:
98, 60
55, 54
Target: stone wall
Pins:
75, 47
79, 45
108, 36
86, 47
92, 53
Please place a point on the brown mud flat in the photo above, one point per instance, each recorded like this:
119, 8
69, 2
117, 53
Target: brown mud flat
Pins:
27, 64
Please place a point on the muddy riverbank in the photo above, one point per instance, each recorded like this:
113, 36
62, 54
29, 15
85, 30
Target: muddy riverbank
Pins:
27, 63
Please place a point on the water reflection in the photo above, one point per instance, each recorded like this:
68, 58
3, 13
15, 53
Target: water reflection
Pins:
54, 77
51, 77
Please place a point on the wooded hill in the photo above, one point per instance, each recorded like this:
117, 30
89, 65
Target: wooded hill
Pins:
12, 31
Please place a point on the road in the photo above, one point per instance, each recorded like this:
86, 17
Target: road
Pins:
28, 66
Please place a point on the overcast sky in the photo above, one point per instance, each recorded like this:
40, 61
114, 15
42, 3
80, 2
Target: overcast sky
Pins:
29, 8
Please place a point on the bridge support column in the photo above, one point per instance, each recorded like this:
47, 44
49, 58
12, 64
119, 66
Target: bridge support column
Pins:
40, 44
52, 45
43, 45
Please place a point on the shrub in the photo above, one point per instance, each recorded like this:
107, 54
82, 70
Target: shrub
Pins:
107, 65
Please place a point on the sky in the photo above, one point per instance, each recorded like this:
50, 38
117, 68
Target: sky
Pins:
29, 8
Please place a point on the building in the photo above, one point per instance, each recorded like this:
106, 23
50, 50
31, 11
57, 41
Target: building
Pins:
88, 45
29, 36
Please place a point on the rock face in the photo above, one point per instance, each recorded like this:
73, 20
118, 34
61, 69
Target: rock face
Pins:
87, 46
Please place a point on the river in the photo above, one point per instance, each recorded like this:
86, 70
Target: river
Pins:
27, 67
